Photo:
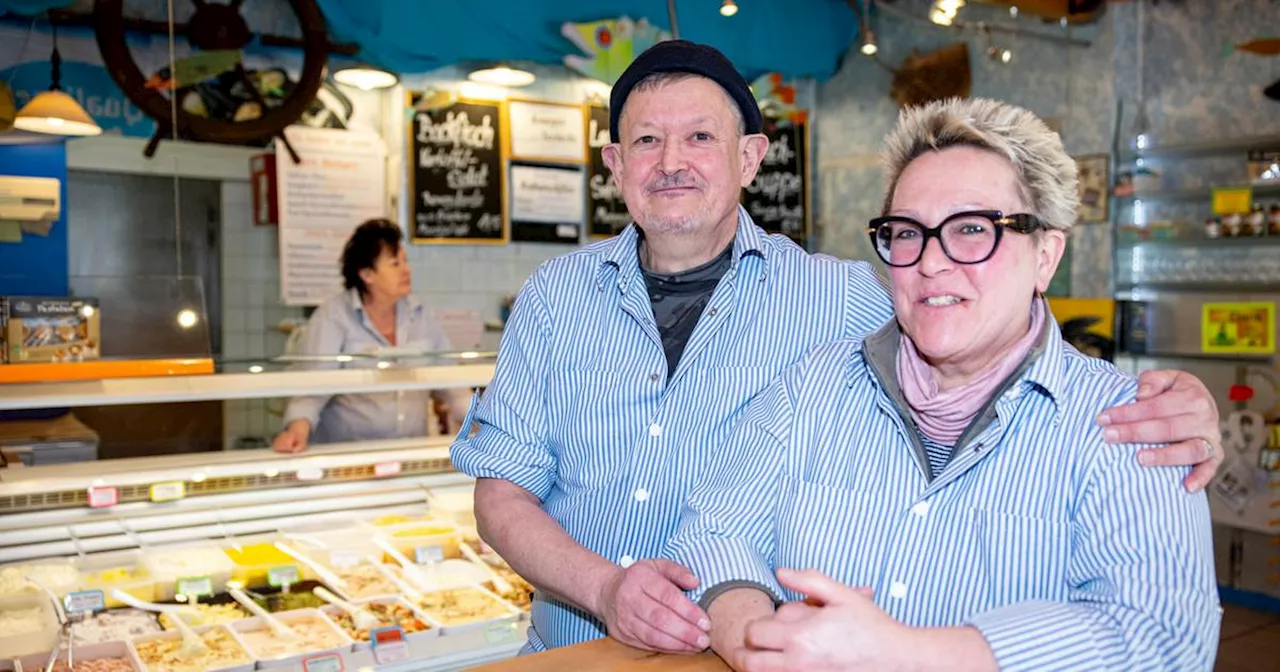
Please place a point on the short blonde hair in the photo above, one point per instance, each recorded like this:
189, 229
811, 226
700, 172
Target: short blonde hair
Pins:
1045, 170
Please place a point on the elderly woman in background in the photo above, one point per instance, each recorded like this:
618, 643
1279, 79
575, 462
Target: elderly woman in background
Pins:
377, 311
942, 483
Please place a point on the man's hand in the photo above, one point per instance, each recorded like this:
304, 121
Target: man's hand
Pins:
294, 437
644, 606
1173, 407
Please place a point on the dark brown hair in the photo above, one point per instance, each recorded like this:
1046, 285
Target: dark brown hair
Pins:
364, 247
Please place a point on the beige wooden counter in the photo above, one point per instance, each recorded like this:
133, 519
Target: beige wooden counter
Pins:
607, 655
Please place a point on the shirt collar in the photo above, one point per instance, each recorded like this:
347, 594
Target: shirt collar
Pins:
1046, 373
410, 302
623, 255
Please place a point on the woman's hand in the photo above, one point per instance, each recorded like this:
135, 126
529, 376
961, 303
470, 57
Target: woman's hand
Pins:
294, 437
841, 628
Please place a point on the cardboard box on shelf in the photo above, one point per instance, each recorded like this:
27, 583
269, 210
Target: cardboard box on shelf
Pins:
44, 329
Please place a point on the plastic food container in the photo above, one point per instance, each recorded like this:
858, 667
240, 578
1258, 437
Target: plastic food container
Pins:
398, 518
472, 607
28, 624
263, 645
336, 545
122, 570
256, 557
175, 562
455, 503
363, 582
118, 653
437, 539
163, 652
416, 625
57, 574
443, 575
115, 625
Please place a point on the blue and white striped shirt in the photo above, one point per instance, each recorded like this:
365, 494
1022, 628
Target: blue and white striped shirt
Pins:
580, 412
1063, 551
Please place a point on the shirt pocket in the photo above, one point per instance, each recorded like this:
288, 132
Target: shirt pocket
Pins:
593, 423
830, 529
1022, 557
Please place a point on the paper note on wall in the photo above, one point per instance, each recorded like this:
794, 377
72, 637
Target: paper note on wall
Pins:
340, 183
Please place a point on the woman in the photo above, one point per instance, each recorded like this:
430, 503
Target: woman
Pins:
376, 311
943, 482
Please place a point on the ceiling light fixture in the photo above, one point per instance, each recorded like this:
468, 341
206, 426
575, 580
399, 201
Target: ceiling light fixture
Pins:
53, 111
366, 77
728, 8
502, 76
869, 46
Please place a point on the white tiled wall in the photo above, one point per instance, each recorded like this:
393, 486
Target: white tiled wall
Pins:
474, 278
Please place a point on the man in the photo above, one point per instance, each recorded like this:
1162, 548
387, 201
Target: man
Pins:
626, 362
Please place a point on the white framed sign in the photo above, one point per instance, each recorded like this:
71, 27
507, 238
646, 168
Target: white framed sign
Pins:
547, 195
546, 132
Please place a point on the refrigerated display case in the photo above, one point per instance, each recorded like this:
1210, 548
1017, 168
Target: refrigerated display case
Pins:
380, 524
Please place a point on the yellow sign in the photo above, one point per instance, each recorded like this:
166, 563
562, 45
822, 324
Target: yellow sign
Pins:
1238, 328
1100, 313
1232, 201
1087, 324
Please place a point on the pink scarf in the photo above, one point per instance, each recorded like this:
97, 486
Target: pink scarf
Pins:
942, 416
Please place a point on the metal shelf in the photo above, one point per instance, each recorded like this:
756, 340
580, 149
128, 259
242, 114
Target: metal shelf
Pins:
223, 386
1202, 148
1202, 244
1127, 291
1265, 189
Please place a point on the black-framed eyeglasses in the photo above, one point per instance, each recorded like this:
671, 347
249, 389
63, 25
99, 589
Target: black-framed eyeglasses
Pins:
966, 237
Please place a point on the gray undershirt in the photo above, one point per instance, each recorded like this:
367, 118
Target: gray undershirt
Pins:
678, 300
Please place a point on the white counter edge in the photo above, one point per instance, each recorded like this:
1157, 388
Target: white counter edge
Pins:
223, 386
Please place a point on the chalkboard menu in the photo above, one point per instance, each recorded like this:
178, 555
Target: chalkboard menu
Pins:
778, 199
456, 174
606, 211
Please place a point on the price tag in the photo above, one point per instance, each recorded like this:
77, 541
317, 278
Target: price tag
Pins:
196, 586
310, 474
500, 633
428, 555
389, 644
344, 559
326, 662
100, 498
84, 602
286, 575
168, 492
1235, 201
386, 469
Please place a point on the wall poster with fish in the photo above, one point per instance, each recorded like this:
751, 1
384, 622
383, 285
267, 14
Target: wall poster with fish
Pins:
457, 176
779, 198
